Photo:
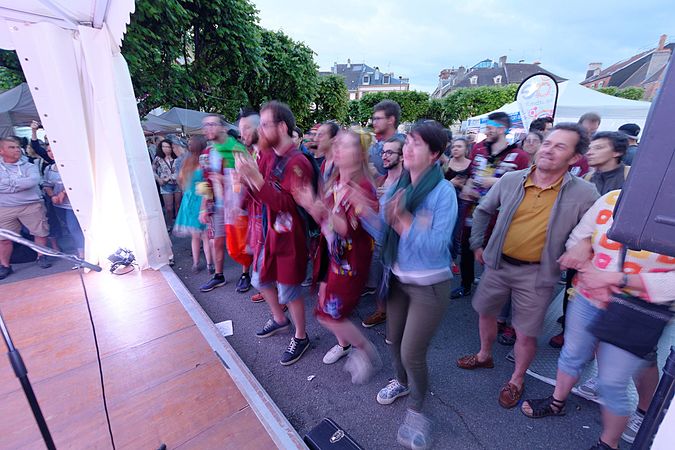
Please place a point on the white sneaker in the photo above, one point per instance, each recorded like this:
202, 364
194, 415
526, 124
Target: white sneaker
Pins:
589, 389
334, 354
633, 426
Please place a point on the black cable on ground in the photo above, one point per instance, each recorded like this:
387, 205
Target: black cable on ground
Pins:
98, 357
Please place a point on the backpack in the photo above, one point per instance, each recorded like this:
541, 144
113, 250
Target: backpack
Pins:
312, 229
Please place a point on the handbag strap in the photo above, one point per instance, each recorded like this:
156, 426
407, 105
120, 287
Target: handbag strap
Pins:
622, 257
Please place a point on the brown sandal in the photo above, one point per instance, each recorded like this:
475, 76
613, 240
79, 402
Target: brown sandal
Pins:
510, 395
470, 362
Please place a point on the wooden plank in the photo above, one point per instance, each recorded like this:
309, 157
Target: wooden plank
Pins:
241, 430
175, 411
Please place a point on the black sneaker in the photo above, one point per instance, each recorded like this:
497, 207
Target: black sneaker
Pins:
216, 281
244, 283
294, 351
43, 262
459, 292
5, 271
271, 327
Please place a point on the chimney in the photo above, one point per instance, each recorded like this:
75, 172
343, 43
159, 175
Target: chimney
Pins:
334, 70
662, 42
461, 71
537, 63
349, 63
659, 58
502, 61
594, 69
377, 73
445, 74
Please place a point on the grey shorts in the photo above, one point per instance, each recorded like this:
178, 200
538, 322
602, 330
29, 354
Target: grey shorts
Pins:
529, 303
286, 292
218, 219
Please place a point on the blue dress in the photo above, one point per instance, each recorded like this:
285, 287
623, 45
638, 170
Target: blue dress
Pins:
187, 221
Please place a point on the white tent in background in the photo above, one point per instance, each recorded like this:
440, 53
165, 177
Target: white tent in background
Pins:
575, 100
70, 54
16, 108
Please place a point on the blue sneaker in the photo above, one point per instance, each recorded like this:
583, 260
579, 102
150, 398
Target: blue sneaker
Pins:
216, 281
391, 392
295, 350
271, 327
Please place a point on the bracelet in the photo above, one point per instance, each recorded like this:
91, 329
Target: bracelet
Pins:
624, 281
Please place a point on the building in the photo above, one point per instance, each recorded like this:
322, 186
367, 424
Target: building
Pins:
361, 78
644, 70
487, 73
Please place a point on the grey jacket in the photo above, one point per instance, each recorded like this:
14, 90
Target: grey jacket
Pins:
576, 196
19, 184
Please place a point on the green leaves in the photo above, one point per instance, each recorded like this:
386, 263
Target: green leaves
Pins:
332, 100
11, 74
631, 93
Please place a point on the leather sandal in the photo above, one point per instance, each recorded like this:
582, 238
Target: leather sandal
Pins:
510, 395
544, 407
470, 362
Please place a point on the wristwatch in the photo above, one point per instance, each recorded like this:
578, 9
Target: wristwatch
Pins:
624, 281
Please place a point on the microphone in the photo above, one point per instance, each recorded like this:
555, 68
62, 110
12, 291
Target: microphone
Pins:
15, 237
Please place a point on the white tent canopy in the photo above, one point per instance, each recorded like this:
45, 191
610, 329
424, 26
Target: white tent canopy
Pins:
574, 100
16, 108
70, 54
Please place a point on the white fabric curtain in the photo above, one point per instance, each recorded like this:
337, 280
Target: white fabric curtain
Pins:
82, 89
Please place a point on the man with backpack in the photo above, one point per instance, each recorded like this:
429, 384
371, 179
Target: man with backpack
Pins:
280, 265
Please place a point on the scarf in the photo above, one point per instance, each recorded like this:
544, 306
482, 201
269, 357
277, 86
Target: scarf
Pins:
413, 197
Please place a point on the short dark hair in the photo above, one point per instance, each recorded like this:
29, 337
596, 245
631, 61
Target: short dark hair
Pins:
398, 139
247, 112
390, 108
432, 133
281, 113
501, 117
593, 117
582, 144
540, 124
618, 140
333, 128
11, 139
298, 130
221, 121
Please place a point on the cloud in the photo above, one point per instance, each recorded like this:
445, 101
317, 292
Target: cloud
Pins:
418, 39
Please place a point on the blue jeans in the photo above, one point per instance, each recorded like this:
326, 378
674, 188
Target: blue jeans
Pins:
616, 367
580, 344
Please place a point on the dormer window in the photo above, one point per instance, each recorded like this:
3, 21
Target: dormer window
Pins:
386, 79
366, 79
600, 84
473, 80
498, 79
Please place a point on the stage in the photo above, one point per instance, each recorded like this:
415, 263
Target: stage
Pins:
169, 376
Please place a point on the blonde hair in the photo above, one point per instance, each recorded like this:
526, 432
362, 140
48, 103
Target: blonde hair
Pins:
365, 140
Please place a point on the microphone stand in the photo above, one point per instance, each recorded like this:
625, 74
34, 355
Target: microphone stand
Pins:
14, 356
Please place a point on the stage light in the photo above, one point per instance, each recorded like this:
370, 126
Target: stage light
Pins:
121, 258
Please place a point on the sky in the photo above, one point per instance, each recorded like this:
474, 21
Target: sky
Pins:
417, 39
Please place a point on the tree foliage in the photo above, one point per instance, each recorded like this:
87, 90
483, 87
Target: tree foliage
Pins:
332, 100
211, 55
413, 104
631, 93
11, 74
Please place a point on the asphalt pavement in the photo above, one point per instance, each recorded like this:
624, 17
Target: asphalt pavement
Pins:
462, 405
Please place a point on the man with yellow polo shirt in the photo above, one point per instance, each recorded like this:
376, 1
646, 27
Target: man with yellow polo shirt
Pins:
538, 208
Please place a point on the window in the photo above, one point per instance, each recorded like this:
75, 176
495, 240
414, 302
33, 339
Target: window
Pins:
386, 79
366, 79
592, 85
498, 79
600, 84
473, 80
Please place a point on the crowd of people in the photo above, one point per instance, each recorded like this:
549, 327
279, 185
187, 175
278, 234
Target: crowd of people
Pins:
346, 213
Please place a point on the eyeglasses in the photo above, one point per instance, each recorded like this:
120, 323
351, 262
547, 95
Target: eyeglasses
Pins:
390, 153
374, 119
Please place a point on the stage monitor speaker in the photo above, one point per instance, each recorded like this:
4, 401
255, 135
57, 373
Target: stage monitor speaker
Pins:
644, 218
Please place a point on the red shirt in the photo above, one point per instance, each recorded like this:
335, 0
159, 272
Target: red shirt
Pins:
510, 159
580, 168
285, 250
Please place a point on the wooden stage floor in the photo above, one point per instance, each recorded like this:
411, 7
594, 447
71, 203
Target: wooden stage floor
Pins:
161, 359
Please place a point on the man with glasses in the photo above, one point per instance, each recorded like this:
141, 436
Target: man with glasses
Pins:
280, 266
214, 131
392, 160
386, 116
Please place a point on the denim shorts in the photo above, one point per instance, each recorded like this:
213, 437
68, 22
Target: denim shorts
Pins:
285, 292
169, 188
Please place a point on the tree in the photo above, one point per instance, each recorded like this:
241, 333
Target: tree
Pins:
414, 105
468, 102
332, 100
631, 93
11, 74
199, 54
289, 75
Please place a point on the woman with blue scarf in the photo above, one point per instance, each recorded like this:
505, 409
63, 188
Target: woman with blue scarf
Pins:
415, 226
